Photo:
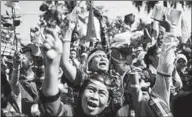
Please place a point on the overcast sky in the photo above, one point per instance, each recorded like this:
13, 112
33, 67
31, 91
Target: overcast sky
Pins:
29, 11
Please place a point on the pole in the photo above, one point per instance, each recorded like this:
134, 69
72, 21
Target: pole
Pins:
14, 29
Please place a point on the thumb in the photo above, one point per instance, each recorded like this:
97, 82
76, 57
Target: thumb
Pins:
166, 19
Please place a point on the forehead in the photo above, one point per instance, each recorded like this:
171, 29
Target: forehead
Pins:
181, 59
98, 84
98, 52
27, 54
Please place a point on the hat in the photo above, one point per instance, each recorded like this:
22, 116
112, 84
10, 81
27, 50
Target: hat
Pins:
181, 56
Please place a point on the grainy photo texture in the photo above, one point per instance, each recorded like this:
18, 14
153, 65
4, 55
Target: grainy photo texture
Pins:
96, 58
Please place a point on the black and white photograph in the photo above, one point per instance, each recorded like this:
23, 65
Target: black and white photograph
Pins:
88, 58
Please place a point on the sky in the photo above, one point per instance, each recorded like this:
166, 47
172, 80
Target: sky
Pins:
30, 12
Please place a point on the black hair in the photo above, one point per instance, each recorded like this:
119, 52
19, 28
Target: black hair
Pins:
94, 50
52, 15
152, 51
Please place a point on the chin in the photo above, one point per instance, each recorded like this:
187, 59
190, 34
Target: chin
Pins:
94, 113
103, 69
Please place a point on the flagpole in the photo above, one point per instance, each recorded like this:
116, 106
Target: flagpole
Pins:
14, 29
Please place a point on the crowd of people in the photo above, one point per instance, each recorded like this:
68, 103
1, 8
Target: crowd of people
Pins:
114, 76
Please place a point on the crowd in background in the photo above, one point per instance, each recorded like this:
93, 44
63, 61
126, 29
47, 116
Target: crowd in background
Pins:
120, 71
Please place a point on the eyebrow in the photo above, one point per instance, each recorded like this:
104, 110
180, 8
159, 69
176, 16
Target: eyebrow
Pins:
93, 86
101, 90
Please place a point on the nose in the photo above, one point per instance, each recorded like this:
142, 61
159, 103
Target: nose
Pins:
95, 96
103, 57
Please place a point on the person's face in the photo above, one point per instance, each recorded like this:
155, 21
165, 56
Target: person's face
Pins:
76, 43
26, 61
100, 62
95, 98
122, 66
155, 58
121, 61
160, 36
181, 63
73, 54
132, 81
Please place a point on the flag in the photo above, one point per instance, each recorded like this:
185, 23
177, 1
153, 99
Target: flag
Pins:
91, 33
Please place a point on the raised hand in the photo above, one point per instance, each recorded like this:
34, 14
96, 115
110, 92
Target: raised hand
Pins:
52, 44
167, 56
166, 24
17, 60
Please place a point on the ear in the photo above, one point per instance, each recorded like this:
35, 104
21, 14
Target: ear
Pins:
109, 101
60, 72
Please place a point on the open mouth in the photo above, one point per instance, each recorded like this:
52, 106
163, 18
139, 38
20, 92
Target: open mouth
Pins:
91, 104
102, 63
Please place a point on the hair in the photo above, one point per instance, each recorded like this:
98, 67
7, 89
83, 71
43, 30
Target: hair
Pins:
152, 51
99, 77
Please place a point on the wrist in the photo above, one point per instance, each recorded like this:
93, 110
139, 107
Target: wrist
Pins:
53, 62
67, 40
67, 37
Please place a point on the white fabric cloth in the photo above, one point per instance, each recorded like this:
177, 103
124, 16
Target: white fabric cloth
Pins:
120, 39
167, 56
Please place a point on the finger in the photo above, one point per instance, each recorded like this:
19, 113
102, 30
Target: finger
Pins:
53, 31
48, 44
50, 31
165, 17
50, 41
